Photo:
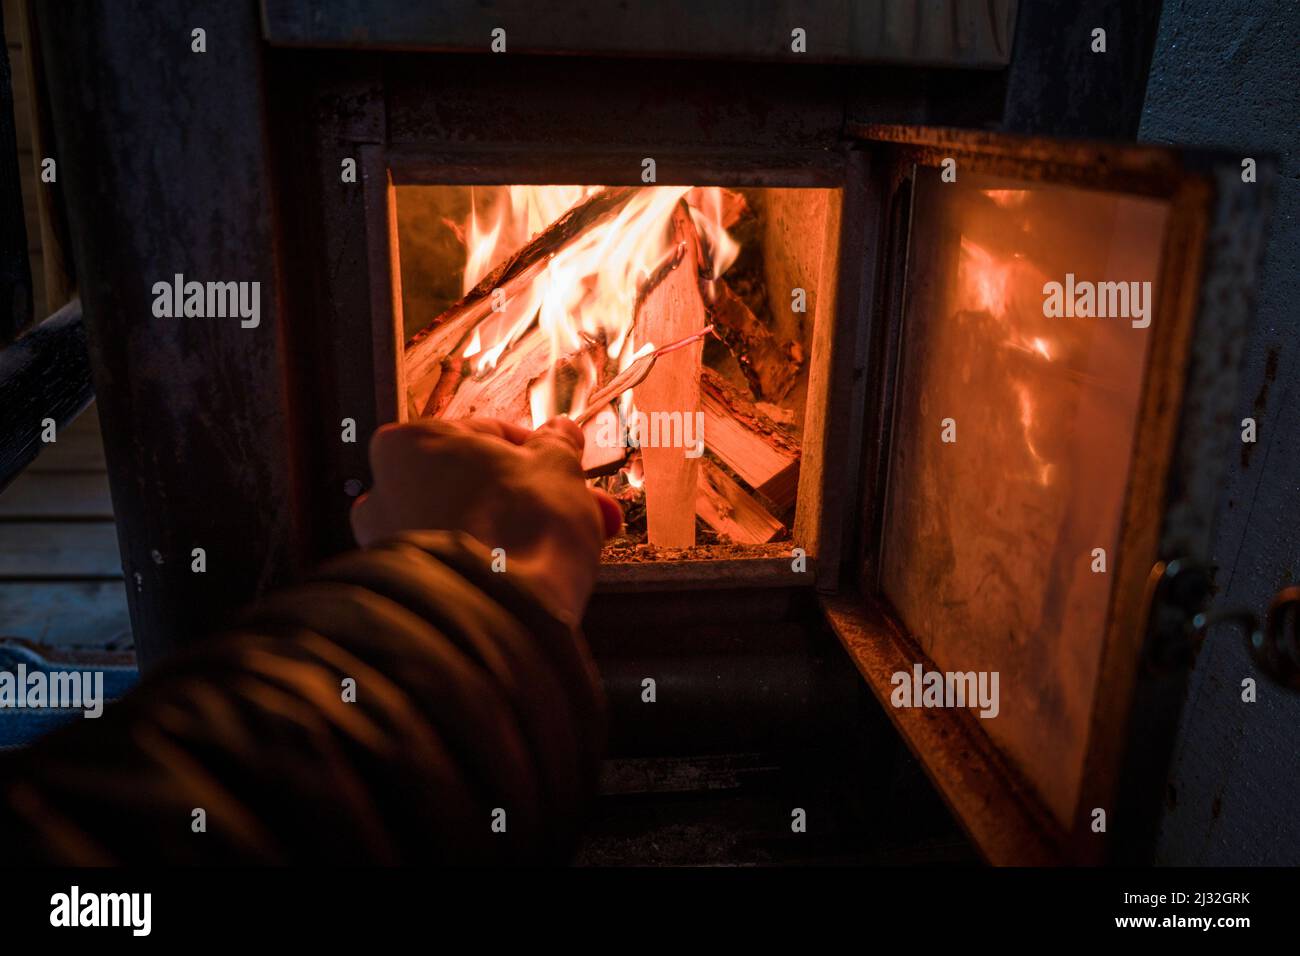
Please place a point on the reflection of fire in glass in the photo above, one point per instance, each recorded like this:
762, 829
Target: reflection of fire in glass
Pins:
985, 286
989, 540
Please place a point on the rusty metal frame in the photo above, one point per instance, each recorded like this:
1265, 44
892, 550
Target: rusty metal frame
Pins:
1187, 400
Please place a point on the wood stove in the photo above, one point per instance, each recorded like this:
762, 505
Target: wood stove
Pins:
962, 455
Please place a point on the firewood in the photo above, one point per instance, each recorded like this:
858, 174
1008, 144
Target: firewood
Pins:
730, 510
632, 376
503, 391
748, 442
770, 365
601, 455
671, 310
436, 349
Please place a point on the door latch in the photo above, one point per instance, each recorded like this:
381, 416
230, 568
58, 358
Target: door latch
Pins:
1178, 593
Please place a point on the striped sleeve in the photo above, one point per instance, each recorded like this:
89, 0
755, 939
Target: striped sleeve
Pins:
406, 705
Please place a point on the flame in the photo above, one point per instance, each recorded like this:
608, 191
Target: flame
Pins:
586, 297
708, 221
475, 346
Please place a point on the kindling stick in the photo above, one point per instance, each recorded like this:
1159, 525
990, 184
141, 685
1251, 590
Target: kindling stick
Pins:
632, 376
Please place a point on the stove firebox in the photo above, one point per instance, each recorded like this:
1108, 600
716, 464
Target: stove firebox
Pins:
526, 302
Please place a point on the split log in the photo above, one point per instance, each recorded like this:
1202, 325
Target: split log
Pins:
671, 310
436, 350
603, 452
730, 510
503, 392
770, 365
748, 442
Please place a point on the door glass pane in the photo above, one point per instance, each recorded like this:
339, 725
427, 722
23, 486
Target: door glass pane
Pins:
988, 551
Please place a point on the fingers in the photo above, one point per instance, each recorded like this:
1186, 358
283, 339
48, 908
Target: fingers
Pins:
390, 442
364, 520
610, 512
515, 434
507, 431
567, 429
558, 437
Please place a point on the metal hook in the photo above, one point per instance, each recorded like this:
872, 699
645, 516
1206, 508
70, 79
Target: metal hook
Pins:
1176, 593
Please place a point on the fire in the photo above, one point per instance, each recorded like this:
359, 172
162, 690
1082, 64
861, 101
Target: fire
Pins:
585, 301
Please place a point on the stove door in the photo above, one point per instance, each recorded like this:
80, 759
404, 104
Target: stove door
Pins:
1051, 365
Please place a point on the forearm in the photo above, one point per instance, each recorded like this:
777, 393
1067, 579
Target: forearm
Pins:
389, 710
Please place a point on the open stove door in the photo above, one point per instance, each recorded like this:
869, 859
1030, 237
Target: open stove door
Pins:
1051, 364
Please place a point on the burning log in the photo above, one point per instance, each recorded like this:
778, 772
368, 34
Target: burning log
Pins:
600, 456
599, 421
668, 311
770, 366
748, 442
605, 449
503, 392
436, 352
731, 511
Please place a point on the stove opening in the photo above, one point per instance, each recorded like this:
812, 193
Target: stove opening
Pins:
673, 323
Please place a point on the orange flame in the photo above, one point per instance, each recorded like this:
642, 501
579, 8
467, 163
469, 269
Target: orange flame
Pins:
587, 294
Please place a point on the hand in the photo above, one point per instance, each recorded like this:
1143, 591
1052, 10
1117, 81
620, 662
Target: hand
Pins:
510, 488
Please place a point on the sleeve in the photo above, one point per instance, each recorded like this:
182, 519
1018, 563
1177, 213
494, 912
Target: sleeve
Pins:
406, 705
